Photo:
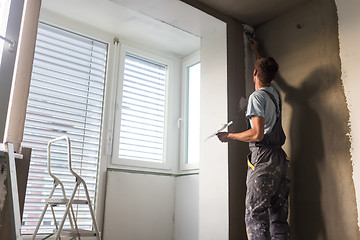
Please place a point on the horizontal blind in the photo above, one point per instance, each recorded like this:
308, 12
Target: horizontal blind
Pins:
66, 98
143, 110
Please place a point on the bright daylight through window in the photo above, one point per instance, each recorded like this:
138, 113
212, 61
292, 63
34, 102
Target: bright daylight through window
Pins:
66, 98
193, 114
143, 110
4, 13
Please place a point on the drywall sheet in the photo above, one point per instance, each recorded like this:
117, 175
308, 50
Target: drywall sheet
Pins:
315, 117
139, 206
349, 33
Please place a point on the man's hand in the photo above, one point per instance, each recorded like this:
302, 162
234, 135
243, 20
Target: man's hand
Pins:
223, 136
255, 134
255, 46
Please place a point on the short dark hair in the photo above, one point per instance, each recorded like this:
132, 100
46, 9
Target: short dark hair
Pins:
266, 68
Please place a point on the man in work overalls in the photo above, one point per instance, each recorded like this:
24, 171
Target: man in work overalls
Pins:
268, 181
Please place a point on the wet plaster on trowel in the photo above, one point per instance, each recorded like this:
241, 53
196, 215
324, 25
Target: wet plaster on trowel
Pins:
305, 43
349, 33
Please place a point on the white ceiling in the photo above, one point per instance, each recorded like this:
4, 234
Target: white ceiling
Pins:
131, 25
157, 23
252, 12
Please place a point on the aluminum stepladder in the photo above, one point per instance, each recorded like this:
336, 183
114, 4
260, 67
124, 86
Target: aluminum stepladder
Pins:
74, 232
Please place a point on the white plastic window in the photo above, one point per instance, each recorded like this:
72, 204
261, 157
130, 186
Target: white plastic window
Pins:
140, 131
143, 110
4, 13
191, 112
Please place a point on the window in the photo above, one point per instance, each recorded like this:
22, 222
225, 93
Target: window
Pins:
66, 98
143, 109
141, 121
191, 112
4, 13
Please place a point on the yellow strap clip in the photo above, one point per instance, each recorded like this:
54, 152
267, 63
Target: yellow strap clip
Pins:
249, 163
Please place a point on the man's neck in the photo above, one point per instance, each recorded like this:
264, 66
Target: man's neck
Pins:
259, 85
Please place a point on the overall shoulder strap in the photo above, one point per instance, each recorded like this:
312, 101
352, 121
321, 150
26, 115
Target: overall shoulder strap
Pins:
278, 107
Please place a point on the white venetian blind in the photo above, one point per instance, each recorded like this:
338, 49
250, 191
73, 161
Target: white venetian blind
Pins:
66, 98
143, 110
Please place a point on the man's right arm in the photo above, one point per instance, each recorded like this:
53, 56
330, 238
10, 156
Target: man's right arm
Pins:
254, 134
255, 46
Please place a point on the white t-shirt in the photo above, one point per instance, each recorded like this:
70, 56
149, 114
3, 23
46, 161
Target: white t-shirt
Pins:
260, 104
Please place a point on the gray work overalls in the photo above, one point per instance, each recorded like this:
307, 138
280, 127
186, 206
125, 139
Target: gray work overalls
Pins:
268, 185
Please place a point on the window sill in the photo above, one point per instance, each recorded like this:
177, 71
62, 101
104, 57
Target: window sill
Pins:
140, 166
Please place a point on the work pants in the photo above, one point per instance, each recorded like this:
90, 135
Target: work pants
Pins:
268, 186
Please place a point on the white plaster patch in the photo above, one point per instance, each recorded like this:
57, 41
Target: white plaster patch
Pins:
349, 33
242, 104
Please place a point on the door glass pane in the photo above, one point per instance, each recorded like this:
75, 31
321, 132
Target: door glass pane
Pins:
193, 116
4, 14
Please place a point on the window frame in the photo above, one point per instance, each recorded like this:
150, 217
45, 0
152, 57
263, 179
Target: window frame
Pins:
5, 12
8, 56
188, 61
116, 162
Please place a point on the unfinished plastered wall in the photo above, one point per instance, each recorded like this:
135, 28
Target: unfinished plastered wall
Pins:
349, 33
305, 43
236, 113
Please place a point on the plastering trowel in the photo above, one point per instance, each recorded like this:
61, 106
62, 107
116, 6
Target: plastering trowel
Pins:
249, 32
221, 129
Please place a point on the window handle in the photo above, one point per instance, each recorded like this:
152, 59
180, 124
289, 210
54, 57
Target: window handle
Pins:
179, 123
10, 42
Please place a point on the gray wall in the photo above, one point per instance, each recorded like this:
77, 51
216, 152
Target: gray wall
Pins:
315, 118
237, 150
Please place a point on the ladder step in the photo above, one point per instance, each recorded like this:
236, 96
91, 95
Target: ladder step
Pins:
58, 201
72, 233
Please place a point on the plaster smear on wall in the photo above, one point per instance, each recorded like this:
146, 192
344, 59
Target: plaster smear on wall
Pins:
349, 33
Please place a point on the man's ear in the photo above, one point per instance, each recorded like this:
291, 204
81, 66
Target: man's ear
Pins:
255, 72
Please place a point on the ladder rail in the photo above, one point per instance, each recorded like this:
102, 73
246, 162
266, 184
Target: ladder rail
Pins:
67, 211
91, 210
56, 179
68, 201
43, 213
57, 182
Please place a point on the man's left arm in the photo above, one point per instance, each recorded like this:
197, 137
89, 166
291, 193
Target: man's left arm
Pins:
255, 134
